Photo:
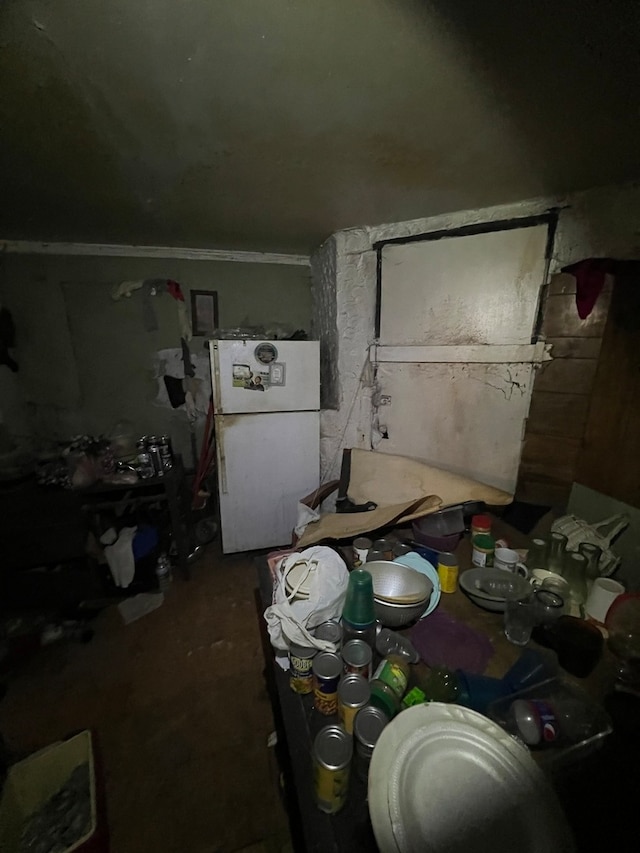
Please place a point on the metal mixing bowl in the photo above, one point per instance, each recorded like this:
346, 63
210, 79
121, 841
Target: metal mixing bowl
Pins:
405, 591
398, 615
397, 583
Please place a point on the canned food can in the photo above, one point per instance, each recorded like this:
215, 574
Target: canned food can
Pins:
153, 449
356, 655
300, 663
166, 453
327, 669
332, 751
367, 728
354, 693
330, 631
448, 572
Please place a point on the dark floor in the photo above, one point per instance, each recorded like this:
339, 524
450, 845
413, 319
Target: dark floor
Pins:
179, 704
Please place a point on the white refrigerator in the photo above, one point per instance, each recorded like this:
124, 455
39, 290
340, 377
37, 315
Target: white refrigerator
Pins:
266, 398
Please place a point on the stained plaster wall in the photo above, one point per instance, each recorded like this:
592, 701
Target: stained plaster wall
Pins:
86, 361
598, 222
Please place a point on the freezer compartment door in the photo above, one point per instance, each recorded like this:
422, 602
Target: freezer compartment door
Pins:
266, 463
265, 376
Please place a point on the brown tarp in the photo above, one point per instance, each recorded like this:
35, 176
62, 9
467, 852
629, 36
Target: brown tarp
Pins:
403, 488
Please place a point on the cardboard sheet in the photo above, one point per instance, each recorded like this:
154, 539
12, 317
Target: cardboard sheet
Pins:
404, 489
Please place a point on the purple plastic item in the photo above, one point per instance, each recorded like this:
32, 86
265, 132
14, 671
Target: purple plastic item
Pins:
442, 640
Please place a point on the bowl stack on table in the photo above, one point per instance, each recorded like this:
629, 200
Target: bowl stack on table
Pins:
400, 594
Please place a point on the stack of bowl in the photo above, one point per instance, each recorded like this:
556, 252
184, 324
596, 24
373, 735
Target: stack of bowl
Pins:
400, 594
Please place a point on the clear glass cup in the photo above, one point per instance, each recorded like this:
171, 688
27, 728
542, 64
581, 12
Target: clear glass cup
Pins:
538, 554
549, 606
592, 553
519, 619
575, 567
557, 550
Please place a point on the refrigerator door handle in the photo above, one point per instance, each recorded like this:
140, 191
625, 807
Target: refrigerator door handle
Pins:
215, 370
222, 460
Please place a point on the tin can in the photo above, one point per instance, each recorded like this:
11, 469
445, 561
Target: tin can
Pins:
332, 751
153, 449
330, 631
367, 728
354, 693
448, 571
145, 463
300, 663
357, 655
327, 669
384, 545
166, 453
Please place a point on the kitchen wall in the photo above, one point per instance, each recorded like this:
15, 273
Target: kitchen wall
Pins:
86, 361
599, 222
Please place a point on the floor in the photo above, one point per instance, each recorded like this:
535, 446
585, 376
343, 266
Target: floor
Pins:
180, 708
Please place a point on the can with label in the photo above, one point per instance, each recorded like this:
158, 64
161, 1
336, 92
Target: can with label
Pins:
153, 449
448, 571
166, 453
356, 655
300, 673
367, 728
327, 669
332, 751
331, 631
354, 693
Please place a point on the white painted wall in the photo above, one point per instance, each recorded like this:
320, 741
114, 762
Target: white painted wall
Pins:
598, 222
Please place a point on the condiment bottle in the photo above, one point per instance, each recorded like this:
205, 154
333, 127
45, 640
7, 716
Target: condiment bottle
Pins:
482, 549
389, 684
480, 524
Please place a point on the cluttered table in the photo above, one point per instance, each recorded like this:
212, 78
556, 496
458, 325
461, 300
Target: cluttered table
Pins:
298, 721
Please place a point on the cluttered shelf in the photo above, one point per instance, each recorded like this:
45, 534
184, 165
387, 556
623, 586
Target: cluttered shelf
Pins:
465, 647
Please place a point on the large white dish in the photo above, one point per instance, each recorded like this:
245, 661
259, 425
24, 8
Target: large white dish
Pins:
415, 561
444, 778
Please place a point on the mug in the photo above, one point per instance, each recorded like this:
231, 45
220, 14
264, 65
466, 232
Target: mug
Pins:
509, 561
603, 593
542, 578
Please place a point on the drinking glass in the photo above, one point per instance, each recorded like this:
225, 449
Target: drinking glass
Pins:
557, 549
519, 619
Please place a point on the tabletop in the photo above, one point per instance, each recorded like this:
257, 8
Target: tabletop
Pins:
298, 722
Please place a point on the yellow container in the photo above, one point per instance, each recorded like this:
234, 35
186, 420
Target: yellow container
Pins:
448, 572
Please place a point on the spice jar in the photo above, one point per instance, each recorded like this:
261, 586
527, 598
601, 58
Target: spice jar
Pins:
482, 550
480, 524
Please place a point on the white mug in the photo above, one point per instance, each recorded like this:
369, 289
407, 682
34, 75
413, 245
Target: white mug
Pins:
603, 593
509, 561
551, 581
361, 547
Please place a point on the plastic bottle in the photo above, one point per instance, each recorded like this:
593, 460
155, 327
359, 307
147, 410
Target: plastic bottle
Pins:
500, 587
391, 643
543, 722
163, 573
389, 684
358, 613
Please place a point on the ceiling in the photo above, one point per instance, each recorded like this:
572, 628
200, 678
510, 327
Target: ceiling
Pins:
245, 124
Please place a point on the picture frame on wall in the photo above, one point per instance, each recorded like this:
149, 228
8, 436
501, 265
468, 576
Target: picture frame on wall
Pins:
204, 312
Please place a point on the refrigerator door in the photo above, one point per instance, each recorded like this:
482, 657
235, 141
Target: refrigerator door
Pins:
265, 376
266, 463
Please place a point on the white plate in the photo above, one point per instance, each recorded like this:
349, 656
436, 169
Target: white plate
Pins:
415, 561
444, 778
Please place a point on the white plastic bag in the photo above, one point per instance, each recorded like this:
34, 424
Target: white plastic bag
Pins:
602, 533
289, 619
